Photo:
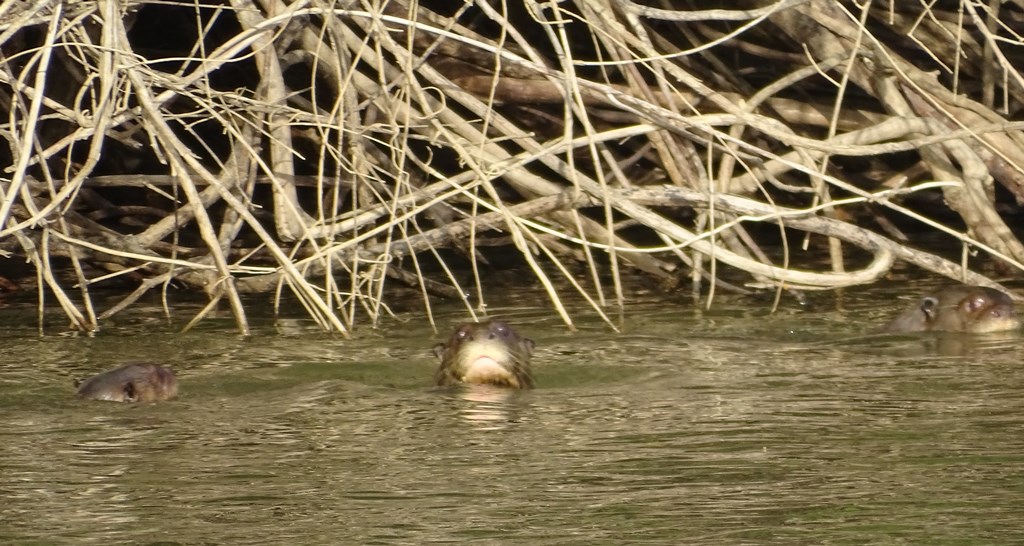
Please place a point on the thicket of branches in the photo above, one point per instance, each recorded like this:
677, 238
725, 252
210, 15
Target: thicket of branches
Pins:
332, 149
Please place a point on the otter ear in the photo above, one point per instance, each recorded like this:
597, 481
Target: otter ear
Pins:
129, 392
439, 350
929, 306
528, 345
974, 303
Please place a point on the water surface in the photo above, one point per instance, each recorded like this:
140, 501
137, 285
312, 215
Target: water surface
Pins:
722, 426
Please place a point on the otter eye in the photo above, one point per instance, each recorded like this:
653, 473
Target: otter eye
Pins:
500, 328
129, 392
928, 307
462, 333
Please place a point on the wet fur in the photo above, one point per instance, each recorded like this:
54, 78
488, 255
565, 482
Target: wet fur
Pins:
973, 309
131, 383
486, 353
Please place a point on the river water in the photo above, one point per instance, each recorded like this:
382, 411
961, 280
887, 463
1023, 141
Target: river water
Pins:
724, 426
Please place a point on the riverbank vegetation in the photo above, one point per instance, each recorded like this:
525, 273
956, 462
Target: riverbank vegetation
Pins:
337, 150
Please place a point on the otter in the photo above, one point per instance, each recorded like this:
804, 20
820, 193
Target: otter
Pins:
131, 383
972, 309
486, 353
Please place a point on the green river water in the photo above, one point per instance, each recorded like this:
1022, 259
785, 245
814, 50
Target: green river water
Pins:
722, 426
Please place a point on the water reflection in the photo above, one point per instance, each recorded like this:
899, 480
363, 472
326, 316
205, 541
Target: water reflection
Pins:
930, 343
487, 407
969, 345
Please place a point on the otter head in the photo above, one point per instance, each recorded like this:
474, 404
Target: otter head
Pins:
131, 383
489, 353
973, 309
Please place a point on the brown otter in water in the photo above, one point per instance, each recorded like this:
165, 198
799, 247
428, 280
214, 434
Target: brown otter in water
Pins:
131, 383
490, 353
974, 309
